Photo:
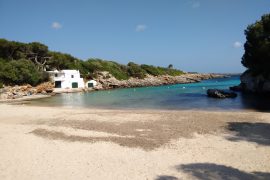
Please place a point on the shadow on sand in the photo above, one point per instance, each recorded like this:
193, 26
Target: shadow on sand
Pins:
252, 132
209, 171
257, 102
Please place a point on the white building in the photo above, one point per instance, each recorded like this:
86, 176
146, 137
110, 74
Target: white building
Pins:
66, 79
90, 84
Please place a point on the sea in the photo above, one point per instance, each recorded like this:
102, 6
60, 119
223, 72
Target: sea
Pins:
168, 97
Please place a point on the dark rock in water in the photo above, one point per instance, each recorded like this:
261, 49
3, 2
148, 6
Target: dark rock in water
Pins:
217, 93
236, 88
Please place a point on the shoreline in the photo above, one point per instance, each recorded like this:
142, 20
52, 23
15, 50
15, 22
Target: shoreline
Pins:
38, 142
112, 83
25, 98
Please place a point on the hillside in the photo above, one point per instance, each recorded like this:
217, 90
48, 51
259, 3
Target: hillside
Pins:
24, 63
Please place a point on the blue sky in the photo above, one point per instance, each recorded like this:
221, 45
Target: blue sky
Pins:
193, 35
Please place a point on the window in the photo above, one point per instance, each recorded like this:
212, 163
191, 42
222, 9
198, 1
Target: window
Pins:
74, 85
72, 76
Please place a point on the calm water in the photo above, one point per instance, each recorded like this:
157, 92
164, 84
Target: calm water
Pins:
179, 96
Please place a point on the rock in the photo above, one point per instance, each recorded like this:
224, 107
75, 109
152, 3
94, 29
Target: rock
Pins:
17, 96
236, 88
44, 87
9, 95
217, 93
29, 93
255, 83
49, 90
3, 96
21, 94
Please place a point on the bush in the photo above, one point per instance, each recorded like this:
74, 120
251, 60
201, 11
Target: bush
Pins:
1, 85
174, 72
152, 70
158, 71
21, 72
135, 70
117, 70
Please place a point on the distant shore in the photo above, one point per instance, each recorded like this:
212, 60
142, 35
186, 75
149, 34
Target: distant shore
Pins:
107, 81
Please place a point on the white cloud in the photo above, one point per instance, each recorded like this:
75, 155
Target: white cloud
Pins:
237, 44
141, 27
56, 25
196, 4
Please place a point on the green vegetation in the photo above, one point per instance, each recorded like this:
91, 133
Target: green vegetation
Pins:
157, 71
257, 47
22, 63
21, 72
119, 71
135, 70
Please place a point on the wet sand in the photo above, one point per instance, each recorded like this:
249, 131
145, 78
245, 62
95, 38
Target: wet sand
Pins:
66, 143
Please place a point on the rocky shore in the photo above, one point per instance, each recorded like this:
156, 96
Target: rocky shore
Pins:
104, 81
107, 81
26, 92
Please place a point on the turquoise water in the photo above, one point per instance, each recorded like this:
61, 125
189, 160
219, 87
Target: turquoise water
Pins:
179, 96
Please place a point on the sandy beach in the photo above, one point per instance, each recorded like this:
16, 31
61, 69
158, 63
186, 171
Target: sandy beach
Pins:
65, 143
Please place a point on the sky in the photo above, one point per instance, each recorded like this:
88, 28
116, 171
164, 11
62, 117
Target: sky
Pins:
193, 35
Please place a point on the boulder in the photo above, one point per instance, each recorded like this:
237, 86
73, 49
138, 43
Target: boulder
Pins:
255, 83
217, 93
236, 88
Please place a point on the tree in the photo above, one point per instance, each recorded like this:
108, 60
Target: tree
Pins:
257, 47
12, 50
170, 66
38, 54
20, 72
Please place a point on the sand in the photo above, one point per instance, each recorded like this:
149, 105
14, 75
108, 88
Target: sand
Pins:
70, 143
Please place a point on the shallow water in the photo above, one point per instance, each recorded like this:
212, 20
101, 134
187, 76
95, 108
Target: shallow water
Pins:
179, 96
